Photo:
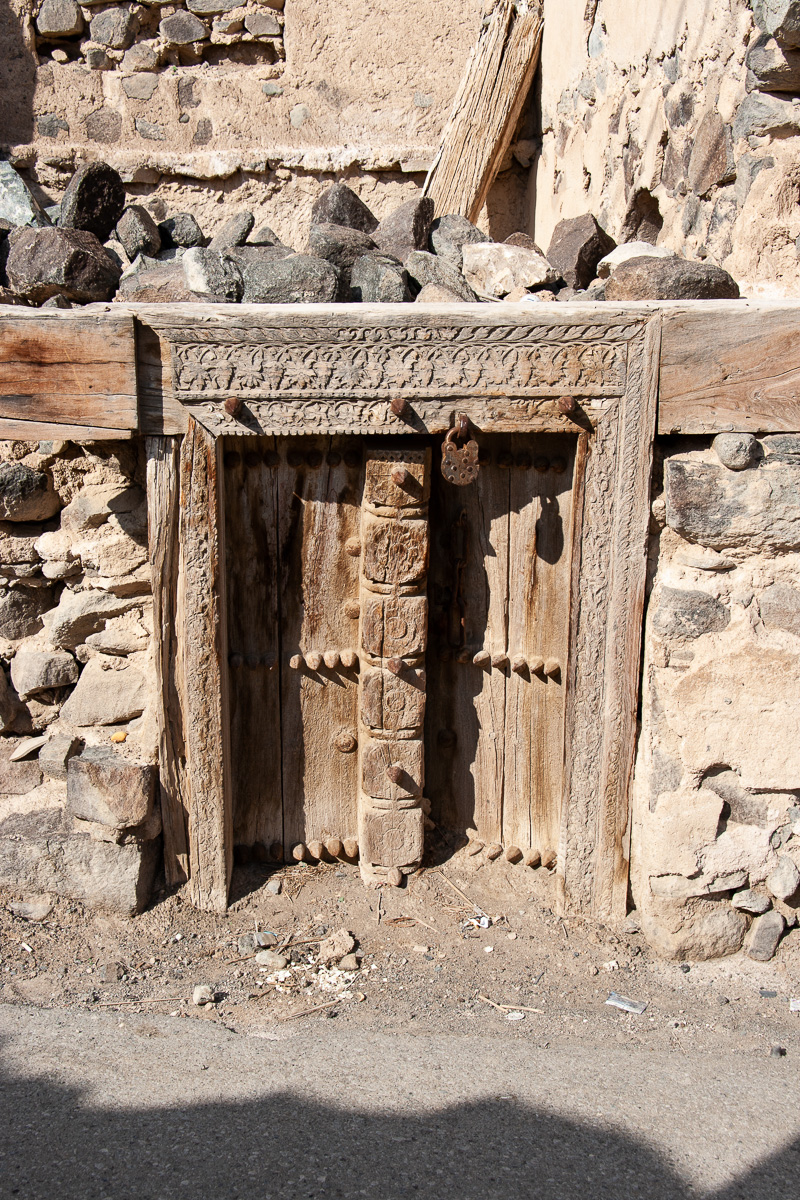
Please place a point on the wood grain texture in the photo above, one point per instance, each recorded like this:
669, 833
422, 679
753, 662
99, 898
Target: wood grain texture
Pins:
162, 455
201, 622
159, 411
12, 429
730, 367
494, 87
68, 367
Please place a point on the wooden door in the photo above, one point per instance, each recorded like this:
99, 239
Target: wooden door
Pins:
497, 656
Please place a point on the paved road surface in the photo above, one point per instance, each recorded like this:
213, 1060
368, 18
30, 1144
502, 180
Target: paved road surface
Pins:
103, 1106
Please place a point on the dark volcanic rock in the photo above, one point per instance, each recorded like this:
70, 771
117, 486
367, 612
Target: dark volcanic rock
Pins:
181, 230
780, 19
17, 203
759, 115
234, 232
70, 262
212, 273
138, 232
426, 268
525, 241
670, 279
449, 233
711, 162
379, 279
21, 611
339, 245
576, 247
406, 229
114, 28
181, 28
689, 614
757, 508
339, 205
772, 68
94, 200
25, 494
264, 236
297, 279
162, 285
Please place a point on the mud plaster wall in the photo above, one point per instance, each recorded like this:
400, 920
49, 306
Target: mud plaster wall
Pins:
716, 797
348, 90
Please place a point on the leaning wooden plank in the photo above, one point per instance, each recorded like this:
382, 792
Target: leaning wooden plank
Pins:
202, 665
74, 368
487, 107
162, 520
13, 430
730, 368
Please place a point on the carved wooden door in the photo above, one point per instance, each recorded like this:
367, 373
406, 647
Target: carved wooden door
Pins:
497, 656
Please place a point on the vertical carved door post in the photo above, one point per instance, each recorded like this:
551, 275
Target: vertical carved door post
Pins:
393, 632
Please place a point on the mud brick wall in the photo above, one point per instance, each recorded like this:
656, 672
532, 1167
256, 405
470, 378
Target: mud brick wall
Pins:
78, 806
716, 838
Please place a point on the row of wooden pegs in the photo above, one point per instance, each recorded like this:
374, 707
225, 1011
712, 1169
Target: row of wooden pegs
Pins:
332, 659
550, 667
513, 854
327, 851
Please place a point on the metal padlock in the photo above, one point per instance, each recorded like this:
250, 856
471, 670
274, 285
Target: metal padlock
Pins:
460, 463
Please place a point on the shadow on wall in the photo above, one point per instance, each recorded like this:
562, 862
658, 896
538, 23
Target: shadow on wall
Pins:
54, 1142
17, 79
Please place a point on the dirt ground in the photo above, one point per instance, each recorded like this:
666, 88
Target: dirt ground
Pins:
426, 963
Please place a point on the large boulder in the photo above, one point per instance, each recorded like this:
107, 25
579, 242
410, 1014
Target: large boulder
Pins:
212, 274
628, 250
771, 67
426, 268
449, 234
341, 246
110, 790
495, 269
34, 671
758, 508
576, 247
406, 229
67, 262
26, 494
17, 203
670, 279
22, 610
296, 279
162, 285
94, 200
377, 278
711, 163
759, 115
59, 19
109, 692
181, 230
339, 205
780, 19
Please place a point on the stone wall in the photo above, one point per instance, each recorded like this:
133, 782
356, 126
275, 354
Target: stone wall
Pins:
716, 833
78, 807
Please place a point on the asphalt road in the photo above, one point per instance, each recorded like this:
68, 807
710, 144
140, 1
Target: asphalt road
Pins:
103, 1106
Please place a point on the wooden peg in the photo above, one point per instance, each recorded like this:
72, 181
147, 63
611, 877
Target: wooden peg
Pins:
474, 848
567, 405
519, 665
536, 665
334, 847
394, 876
494, 851
300, 852
482, 658
313, 660
350, 846
345, 741
500, 661
269, 661
349, 659
233, 406
235, 661
296, 662
399, 406
395, 665
316, 850
353, 547
548, 858
331, 659
552, 667
395, 773
399, 475
513, 854
532, 858
276, 851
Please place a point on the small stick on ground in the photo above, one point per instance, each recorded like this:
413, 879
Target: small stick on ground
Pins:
511, 1007
146, 1000
463, 895
305, 1012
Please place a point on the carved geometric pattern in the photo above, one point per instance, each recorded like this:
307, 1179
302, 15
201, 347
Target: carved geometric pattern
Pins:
394, 551
390, 837
394, 626
377, 757
384, 491
392, 702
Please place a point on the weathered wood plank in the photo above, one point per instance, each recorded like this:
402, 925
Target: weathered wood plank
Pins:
203, 670
320, 482
69, 367
159, 411
38, 431
731, 367
162, 520
251, 542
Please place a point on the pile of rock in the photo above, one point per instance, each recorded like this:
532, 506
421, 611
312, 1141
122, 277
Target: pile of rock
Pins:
79, 814
101, 248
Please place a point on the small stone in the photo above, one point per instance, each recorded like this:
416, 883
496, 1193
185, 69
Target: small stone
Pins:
59, 18
339, 205
684, 615
264, 236
765, 933
140, 57
296, 279
348, 963
50, 125
207, 8
262, 24
299, 115
771, 67
26, 747
685, 968
32, 910
335, 947
181, 230
719, 508
436, 293
202, 995
234, 232
113, 791
106, 696
751, 902
140, 86
21, 611
150, 130
67, 262
622, 254
17, 204
784, 880
779, 605
271, 88
274, 887
56, 753
114, 28
777, 1051
577, 246
162, 285
210, 273
495, 269
339, 245
94, 200
98, 60
26, 494
34, 671
406, 229
526, 241
780, 19
182, 28
426, 268
137, 231
275, 962
379, 279
246, 944
82, 613
735, 450
670, 279
450, 233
